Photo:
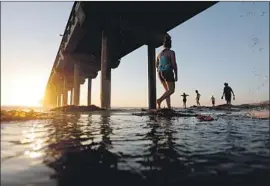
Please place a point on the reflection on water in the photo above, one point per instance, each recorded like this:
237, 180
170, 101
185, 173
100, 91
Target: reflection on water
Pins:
121, 149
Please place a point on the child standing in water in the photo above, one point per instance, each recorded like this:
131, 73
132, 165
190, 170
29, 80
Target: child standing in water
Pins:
213, 100
185, 100
198, 98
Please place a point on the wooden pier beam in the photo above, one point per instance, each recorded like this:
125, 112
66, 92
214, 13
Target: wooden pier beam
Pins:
105, 95
76, 84
151, 77
89, 91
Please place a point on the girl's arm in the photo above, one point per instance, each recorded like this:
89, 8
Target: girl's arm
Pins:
174, 64
157, 62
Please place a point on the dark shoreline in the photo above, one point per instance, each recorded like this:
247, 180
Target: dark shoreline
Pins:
19, 115
73, 108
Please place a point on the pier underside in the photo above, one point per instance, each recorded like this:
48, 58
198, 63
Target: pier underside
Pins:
99, 34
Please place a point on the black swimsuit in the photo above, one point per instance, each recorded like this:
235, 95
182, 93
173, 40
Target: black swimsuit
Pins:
167, 76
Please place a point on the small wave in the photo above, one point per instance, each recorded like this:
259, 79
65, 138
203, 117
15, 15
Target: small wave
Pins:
263, 114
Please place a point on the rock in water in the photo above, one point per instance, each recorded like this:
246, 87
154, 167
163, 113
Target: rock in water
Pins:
73, 108
205, 118
166, 113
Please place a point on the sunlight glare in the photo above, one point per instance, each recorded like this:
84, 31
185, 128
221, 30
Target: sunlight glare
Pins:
27, 92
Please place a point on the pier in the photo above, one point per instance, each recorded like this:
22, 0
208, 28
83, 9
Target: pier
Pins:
99, 34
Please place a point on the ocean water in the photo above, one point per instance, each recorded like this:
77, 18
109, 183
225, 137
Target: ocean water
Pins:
118, 148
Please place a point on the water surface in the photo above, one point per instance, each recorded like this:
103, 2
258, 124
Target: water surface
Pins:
117, 148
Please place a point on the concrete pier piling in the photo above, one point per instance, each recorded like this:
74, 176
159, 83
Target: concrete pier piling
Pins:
76, 83
151, 77
105, 71
71, 96
65, 92
89, 91
59, 100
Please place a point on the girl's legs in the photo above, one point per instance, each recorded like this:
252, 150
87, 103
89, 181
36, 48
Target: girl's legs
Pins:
168, 99
167, 94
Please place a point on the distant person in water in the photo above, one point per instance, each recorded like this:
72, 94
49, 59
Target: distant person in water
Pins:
185, 100
227, 91
167, 71
198, 98
213, 101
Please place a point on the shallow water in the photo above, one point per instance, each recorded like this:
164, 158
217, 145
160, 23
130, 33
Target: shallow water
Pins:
118, 148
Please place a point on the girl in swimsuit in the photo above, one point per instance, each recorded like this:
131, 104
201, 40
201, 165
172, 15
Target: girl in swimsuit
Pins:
167, 71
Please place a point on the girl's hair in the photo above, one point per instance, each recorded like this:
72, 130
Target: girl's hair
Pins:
167, 42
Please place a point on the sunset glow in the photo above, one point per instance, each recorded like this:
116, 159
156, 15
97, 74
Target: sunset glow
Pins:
211, 48
27, 91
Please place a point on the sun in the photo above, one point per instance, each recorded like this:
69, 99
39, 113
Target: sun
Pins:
26, 93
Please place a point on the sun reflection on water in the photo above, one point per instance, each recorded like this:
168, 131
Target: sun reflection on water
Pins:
29, 136
33, 154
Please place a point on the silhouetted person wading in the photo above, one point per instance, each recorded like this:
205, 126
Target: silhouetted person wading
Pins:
198, 95
227, 91
184, 100
213, 100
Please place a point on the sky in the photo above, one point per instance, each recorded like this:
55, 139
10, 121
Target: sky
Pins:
229, 42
